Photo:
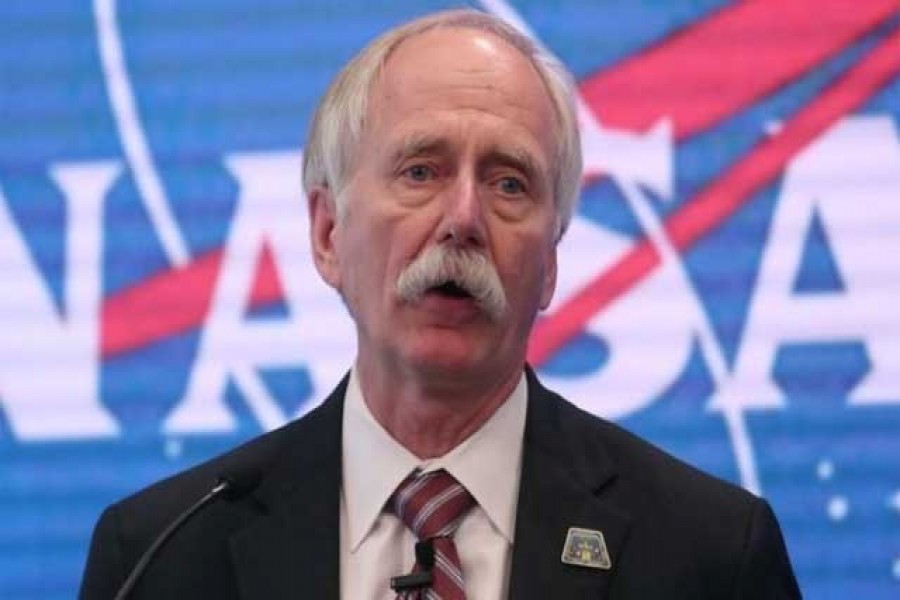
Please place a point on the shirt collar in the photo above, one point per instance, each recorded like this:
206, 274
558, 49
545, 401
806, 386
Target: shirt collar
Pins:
487, 463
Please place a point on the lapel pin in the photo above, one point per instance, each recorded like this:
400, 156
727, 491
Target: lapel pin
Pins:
586, 548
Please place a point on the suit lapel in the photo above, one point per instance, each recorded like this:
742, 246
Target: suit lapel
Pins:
564, 471
293, 548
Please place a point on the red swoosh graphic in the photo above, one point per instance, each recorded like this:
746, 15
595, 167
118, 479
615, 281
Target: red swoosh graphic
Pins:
724, 196
174, 302
717, 67
177, 300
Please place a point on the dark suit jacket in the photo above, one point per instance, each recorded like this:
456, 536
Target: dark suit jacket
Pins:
671, 531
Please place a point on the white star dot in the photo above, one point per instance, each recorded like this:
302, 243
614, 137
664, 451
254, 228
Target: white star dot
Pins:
825, 469
172, 448
838, 507
896, 568
773, 127
894, 501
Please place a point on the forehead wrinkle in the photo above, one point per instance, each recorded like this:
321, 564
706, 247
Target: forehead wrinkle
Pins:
479, 74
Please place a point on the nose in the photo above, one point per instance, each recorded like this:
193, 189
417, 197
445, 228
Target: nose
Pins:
463, 222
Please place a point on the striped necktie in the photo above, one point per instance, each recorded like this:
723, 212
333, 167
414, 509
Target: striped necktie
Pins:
432, 505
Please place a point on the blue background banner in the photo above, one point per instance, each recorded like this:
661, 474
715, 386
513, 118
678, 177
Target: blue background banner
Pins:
728, 288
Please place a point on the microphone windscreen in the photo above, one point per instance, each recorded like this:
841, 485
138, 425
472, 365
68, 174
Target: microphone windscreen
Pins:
241, 481
425, 554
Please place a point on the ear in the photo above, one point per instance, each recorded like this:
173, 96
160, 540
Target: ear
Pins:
322, 234
549, 283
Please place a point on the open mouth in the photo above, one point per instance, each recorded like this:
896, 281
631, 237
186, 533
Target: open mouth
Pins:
450, 289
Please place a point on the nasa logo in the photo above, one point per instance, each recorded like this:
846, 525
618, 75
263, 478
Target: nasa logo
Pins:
727, 288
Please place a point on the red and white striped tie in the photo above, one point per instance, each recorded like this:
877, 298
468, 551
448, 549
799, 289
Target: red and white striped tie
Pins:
432, 505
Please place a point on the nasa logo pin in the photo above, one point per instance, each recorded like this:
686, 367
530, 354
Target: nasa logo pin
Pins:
586, 548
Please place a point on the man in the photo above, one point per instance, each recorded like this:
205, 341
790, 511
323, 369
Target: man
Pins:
441, 171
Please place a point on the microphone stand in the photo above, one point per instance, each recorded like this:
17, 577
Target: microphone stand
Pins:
221, 487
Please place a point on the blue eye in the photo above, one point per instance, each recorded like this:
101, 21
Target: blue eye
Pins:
419, 173
511, 186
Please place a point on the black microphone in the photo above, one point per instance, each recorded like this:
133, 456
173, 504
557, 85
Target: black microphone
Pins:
231, 485
418, 579
425, 554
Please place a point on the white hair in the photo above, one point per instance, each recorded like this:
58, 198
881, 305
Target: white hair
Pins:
340, 119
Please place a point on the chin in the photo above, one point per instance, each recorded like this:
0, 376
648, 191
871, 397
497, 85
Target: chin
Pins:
448, 356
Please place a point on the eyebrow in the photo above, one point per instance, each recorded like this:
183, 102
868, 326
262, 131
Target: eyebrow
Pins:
518, 158
417, 144
515, 156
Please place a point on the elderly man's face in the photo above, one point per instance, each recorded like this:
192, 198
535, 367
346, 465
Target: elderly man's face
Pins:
458, 151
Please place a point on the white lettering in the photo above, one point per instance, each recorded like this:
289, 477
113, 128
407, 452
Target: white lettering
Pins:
851, 179
648, 332
49, 362
271, 212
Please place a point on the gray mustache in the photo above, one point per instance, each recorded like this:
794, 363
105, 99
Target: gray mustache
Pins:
468, 269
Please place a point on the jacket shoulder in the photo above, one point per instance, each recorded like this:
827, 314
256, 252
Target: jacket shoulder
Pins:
142, 515
726, 535
636, 462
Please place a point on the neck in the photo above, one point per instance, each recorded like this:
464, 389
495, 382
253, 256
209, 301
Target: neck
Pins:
430, 414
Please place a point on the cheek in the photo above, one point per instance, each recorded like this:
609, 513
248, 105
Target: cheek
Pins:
351, 244
376, 250
527, 267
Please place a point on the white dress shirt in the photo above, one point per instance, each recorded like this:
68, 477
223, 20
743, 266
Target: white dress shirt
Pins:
376, 545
